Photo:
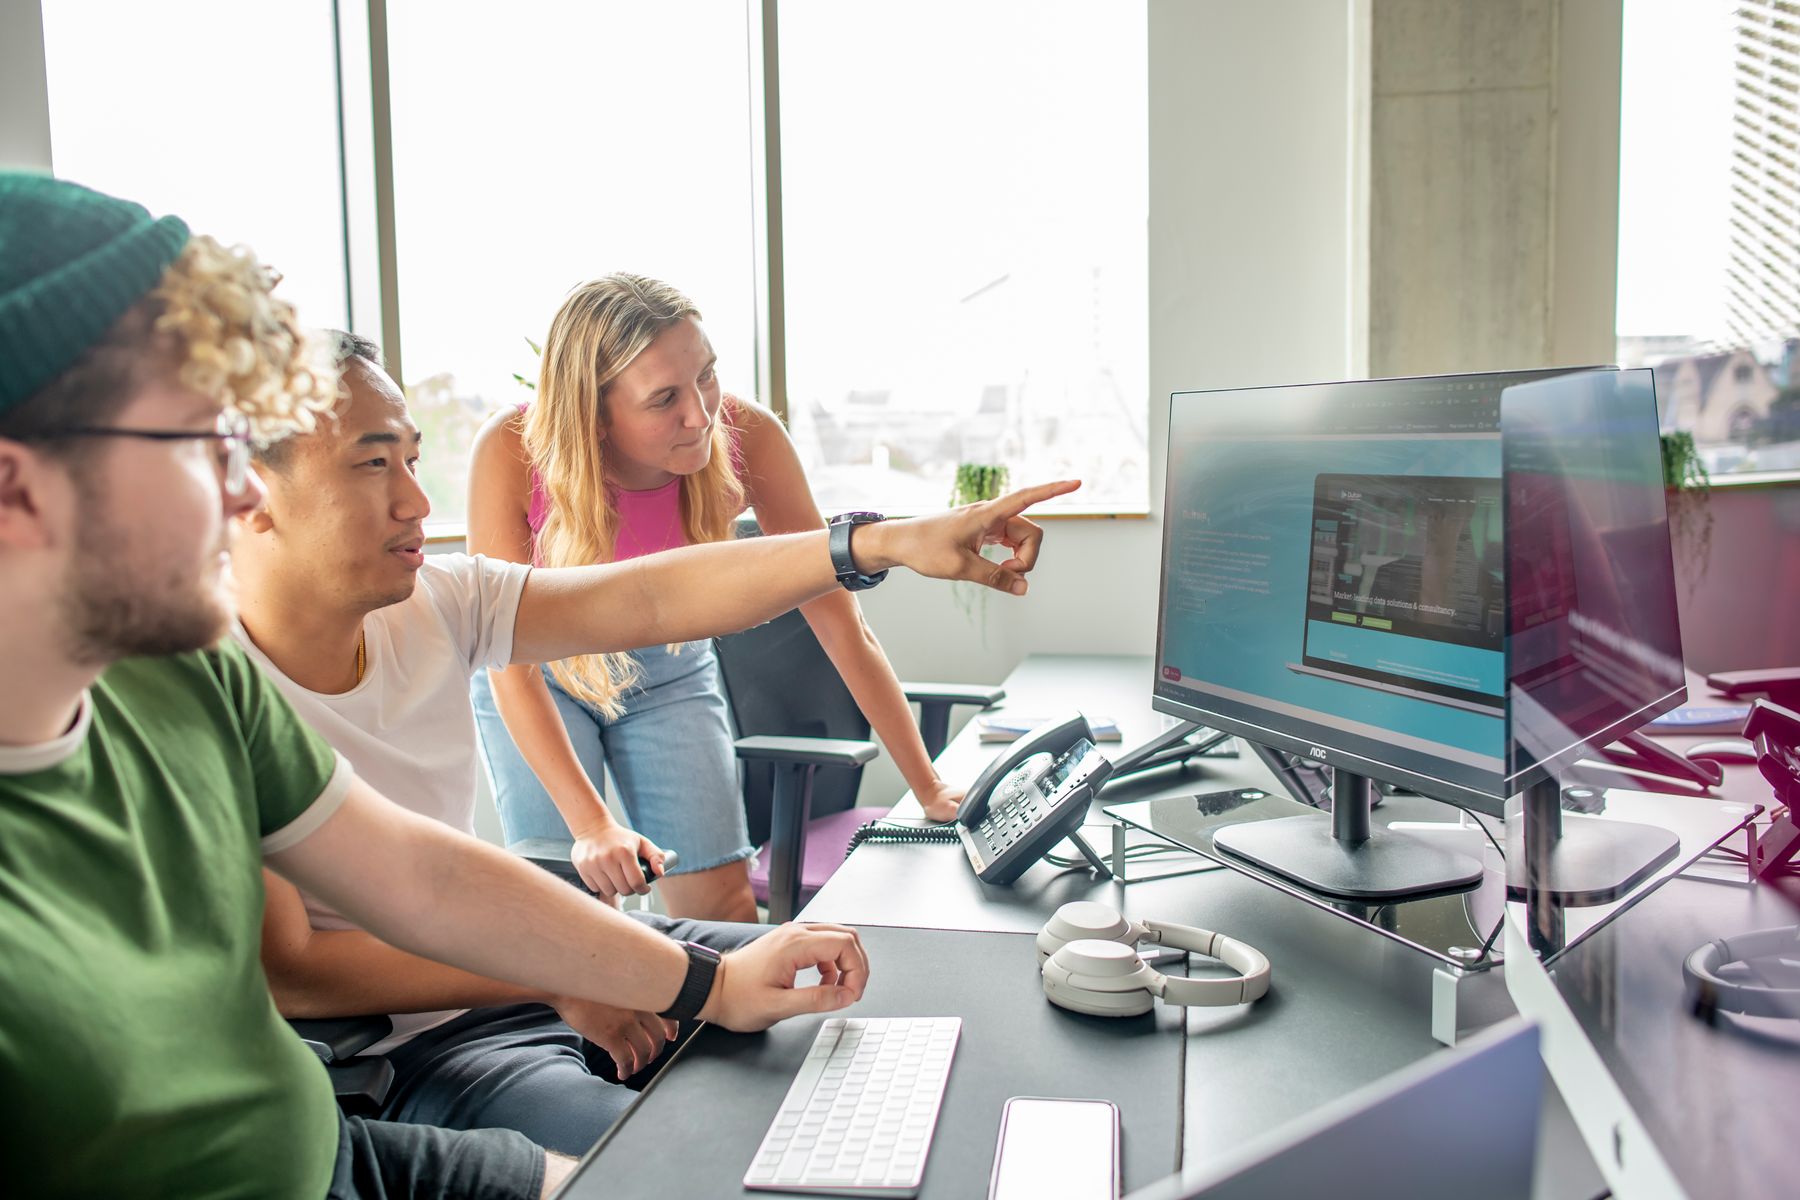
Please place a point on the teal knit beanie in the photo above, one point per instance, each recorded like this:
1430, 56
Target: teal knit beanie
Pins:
72, 261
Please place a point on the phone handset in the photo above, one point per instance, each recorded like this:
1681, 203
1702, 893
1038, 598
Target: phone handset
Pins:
1053, 740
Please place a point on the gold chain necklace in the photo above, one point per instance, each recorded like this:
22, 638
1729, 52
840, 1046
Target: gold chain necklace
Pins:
362, 655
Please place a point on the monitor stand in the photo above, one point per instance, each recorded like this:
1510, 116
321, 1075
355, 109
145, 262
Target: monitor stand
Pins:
1172, 745
1578, 861
1343, 854
1636, 751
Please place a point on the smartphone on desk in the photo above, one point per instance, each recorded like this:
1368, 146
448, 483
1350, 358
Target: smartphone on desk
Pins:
1063, 1148
1031, 797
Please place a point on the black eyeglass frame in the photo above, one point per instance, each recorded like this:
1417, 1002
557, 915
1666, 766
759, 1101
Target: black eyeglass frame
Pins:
233, 435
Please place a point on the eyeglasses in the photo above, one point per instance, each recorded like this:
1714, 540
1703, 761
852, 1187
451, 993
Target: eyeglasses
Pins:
232, 433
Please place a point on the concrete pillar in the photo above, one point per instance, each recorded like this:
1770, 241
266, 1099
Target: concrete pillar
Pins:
1493, 181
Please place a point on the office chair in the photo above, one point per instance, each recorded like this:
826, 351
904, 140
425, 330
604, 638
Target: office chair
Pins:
795, 715
360, 1084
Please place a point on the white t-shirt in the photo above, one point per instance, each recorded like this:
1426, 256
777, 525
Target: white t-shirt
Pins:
408, 728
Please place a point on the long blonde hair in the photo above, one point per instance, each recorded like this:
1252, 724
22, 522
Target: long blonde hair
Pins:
599, 330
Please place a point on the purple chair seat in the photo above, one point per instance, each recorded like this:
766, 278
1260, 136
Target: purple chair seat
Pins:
827, 838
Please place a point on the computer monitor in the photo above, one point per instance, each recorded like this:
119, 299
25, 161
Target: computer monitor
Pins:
1338, 562
1462, 1122
1594, 645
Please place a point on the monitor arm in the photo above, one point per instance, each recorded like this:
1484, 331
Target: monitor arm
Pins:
1775, 732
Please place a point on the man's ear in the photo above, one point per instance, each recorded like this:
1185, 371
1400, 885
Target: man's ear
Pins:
258, 519
24, 486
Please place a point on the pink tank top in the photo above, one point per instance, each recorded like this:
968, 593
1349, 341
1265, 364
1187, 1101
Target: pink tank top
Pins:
649, 521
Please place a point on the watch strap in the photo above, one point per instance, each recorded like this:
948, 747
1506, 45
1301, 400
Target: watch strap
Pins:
696, 986
842, 563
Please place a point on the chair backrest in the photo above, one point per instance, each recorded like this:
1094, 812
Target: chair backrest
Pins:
781, 684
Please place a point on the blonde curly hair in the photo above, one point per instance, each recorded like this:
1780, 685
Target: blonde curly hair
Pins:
213, 325
239, 344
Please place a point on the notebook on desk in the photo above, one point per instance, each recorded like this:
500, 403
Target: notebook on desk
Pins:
1010, 727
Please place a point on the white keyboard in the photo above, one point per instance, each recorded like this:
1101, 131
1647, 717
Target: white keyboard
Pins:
858, 1119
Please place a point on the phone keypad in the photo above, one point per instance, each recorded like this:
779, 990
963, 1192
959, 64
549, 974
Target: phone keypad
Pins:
1015, 811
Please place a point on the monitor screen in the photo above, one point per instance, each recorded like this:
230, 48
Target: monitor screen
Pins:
1595, 641
1334, 575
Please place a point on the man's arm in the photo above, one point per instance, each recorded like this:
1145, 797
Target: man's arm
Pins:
349, 973
707, 591
425, 888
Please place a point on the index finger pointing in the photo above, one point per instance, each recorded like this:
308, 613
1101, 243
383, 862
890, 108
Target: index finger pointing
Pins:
1017, 502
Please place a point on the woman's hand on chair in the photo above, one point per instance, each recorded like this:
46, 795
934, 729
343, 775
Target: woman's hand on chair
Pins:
607, 860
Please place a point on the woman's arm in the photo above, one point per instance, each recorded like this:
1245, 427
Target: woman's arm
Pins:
605, 852
777, 489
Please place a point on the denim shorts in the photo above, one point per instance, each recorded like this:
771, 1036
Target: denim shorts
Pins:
670, 752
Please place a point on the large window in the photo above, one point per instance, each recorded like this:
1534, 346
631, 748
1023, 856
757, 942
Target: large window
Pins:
222, 112
544, 147
966, 195
964, 192
1709, 223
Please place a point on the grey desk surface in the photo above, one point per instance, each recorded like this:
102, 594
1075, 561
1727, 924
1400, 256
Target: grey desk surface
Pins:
1347, 1006
1012, 1044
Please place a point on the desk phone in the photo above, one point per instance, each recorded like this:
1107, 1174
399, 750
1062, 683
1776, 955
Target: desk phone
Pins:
1031, 798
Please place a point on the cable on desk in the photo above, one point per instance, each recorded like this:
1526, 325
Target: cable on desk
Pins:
1142, 852
901, 830
1479, 824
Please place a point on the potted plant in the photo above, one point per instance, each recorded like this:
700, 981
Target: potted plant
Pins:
976, 482
1688, 484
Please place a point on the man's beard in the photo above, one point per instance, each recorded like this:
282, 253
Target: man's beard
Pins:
121, 603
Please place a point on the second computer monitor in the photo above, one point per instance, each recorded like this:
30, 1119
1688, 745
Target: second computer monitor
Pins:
1336, 565
1595, 640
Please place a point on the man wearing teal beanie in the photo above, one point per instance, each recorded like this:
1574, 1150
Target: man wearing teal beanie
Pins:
144, 765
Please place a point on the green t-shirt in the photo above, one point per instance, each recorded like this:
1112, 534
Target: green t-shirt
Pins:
140, 1052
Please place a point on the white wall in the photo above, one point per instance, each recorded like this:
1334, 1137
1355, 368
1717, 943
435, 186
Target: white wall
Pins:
24, 93
1251, 282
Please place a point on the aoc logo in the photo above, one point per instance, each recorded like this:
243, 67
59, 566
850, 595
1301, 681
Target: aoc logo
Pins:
1317, 752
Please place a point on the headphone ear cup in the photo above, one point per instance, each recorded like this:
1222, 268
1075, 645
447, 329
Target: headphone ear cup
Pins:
1102, 979
1081, 920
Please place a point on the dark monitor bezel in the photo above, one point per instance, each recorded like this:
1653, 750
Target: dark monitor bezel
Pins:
1336, 757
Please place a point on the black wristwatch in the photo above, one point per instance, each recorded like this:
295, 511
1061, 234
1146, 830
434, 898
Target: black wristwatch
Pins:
841, 562
703, 965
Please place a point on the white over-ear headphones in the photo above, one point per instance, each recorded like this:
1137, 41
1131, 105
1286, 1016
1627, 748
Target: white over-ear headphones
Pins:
1751, 973
1089, 960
